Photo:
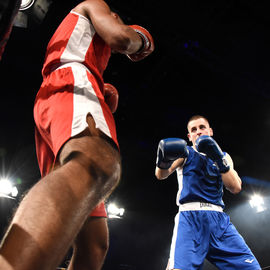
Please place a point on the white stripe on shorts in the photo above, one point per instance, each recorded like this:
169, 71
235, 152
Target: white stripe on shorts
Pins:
85, 101
174, 237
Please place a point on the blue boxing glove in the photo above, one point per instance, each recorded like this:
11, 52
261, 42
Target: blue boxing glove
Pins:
169, 150
207, 145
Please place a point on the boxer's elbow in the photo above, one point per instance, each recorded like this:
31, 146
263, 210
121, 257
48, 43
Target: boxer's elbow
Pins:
236, 187
120, 44
161, 174
235, 190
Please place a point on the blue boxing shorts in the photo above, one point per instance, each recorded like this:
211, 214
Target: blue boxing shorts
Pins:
208, 233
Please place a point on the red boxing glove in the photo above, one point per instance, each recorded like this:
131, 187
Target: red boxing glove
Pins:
111, 96
147, 47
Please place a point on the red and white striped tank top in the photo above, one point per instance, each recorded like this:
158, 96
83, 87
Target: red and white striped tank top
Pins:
76, 40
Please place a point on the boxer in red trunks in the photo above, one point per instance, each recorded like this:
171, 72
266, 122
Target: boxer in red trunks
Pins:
76, 143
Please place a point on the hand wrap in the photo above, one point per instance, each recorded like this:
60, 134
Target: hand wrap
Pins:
147, 46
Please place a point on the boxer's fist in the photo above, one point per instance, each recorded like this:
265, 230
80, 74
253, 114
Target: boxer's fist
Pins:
111, 96
147, 46
207, 145
169, 150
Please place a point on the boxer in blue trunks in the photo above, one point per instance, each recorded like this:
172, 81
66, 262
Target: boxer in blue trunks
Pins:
202, 230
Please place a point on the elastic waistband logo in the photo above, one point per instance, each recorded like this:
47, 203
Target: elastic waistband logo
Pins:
204, 204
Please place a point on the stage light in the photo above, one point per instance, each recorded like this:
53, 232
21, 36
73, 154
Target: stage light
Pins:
32, 13
5, 186
26, 4
114, 211
257, 202
14, 192
7, 189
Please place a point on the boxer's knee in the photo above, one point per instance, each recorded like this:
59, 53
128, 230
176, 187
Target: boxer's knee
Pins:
97, 157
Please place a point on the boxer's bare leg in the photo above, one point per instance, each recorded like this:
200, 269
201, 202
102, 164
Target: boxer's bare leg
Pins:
55, 209
91, 245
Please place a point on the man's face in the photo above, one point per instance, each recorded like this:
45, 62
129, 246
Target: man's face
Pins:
198, 127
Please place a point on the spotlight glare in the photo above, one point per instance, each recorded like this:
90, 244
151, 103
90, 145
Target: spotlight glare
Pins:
114, 211
5, 186
257, 202
14, 192
7, 189
26, 4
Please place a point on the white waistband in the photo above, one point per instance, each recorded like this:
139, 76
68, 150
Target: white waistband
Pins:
72, 64
193, 206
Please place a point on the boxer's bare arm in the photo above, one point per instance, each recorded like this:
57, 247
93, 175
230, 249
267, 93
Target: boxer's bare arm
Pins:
230, 179
120, 37
162, 174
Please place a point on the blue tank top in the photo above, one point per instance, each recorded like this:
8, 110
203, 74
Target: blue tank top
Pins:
199, 180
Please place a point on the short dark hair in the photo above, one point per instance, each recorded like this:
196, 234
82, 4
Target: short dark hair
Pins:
195, 117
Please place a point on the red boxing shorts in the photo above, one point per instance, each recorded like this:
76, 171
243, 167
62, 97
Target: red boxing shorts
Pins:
66, 97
